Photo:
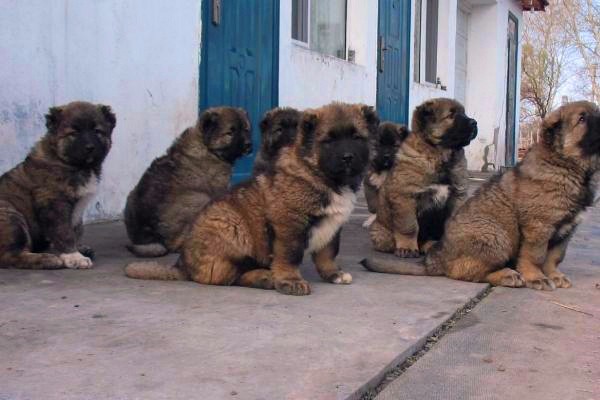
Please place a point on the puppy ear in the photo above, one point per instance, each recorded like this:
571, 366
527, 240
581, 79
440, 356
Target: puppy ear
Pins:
371, 118
422, 114
207, 124
246, 117
109, 116
53, 119
550, 129
308, 125
401, 133
266, 122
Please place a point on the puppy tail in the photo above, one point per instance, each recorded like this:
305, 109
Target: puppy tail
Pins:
154, 270
390, 264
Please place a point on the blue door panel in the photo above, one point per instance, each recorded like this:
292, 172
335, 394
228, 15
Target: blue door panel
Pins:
393, 60
239, 63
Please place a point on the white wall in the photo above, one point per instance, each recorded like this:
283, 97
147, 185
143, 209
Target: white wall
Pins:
139, 56
309, 79
487, 75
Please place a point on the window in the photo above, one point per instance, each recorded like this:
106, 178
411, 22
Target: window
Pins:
321, 24
426, 52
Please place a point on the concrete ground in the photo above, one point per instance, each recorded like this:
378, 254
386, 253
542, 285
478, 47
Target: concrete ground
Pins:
521, 344
99, 335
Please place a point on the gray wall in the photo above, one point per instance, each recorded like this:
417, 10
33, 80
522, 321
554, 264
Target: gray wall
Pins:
139, 56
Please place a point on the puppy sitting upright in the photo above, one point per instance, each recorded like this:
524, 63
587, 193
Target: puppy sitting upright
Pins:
177, 186
42, 199
278, 131
524, 218
427, 181
257, 235
386, 144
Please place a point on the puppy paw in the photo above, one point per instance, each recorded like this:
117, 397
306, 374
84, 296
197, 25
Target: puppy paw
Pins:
369, 221
407, 253
87, 251
560, 280
295, 287
76, 260
540, 284
512, 279
340, 277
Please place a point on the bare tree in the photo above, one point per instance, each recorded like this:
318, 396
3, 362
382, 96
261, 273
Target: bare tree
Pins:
544, 60
582, 29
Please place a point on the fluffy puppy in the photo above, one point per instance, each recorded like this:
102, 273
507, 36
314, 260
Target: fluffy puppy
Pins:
42, 199
177, 186
386, 144
515, 230
258, 234
278, 130
427, 182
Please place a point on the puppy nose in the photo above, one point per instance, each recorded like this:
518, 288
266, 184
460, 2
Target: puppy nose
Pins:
247, 147
348, 157
473, 123
89, 147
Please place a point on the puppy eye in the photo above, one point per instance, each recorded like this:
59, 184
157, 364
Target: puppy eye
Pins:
581, 119
99, 131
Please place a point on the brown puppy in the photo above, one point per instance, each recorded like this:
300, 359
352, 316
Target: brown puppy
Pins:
278, 130
386, 144
177, 186
427, 181
525, 217
257, 235
42, 199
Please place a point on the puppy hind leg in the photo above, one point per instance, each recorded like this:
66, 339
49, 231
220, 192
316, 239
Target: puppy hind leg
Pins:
381, 238
148, 250
212, 270
505, 277
257, 278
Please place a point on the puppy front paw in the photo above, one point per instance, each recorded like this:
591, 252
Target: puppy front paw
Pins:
560, 280
294, 287
340, 278
76, 260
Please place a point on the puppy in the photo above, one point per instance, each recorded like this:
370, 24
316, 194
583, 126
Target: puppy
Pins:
42, 199
387, 141
258, 234
427, 182
177, 186
525, 217
278, 128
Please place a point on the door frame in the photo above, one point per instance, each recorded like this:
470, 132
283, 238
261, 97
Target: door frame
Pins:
203, 67
513, 18
406, 93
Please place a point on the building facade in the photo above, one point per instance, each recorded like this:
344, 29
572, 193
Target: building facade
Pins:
158, 63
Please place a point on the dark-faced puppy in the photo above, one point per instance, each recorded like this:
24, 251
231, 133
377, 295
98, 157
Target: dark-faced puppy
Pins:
515, 229
427, 182
257, 235
177, 186
386, 144
278, 128
42, 199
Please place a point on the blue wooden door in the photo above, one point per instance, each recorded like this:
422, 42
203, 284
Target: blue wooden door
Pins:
393, 60
239, 62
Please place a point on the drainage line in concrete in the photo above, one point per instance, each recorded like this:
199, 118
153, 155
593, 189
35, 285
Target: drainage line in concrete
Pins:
430, 342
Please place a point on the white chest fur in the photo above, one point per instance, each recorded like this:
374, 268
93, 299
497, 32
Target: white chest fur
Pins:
439, 194
85, 193
334, 216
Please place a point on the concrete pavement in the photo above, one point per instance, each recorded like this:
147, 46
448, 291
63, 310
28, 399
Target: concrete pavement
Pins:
99, 335
521, 344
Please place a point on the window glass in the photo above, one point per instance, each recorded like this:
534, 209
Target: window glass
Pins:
328, 27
